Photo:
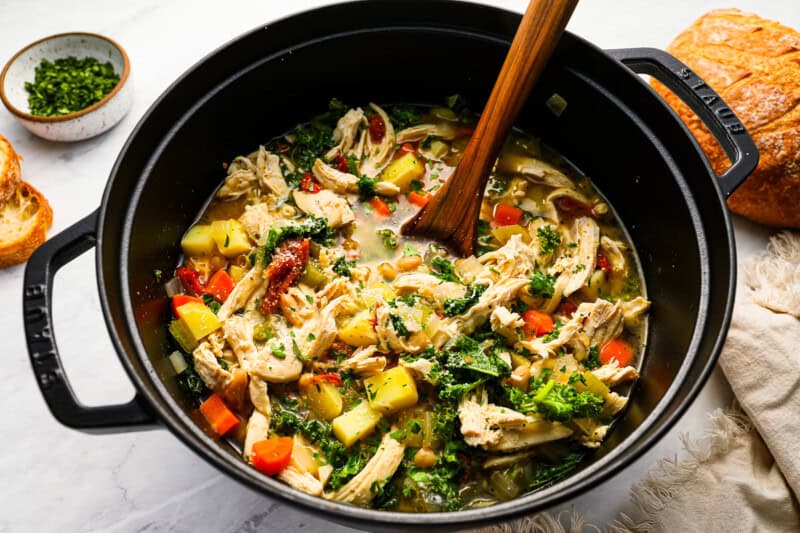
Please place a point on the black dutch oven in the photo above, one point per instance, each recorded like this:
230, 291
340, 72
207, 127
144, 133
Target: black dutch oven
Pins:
614, 128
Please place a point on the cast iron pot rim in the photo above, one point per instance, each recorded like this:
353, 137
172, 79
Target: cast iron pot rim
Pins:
191, 434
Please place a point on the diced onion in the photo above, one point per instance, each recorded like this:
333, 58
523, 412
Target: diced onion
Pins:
178, 362
173, 287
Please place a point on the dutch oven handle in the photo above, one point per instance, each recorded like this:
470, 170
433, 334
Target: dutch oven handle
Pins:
37, 304
705, 102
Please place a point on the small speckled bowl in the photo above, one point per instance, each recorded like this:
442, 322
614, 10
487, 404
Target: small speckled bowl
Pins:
79, 125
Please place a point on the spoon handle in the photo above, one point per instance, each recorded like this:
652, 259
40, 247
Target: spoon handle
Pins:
451, 215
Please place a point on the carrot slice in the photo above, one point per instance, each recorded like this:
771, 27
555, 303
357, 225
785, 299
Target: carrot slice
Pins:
507, 215
537, 323
272, 455
221, 419
419, 199
380, 207
617, 349
220, 285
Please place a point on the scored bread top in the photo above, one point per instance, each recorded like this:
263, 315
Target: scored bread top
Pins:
9, 170
754, 64
24, 221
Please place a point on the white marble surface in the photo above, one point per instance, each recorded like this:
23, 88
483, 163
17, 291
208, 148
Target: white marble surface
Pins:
56, 479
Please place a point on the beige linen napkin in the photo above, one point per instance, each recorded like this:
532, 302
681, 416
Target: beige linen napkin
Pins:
744, 474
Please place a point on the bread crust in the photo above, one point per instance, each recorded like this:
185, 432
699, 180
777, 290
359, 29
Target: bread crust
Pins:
9, 171
19, 250
754, 64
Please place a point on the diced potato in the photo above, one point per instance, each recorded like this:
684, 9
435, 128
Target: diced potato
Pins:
237, 273
182, 336
392, 390
303, 456
380, 292
403, 170
358, 331
503, 233
231, 237
198, 319
595, 286
199, 241
355, 424
436, 149
519, 360
323, 399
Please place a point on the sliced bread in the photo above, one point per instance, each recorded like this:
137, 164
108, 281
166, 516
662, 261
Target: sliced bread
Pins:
24, 220
9, 170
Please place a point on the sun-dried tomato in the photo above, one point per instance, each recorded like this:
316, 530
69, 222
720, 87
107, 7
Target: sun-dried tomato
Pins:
571, 206
287, 264
604, 264
190, 279
377, 128
309, 183
341, 164
567, 308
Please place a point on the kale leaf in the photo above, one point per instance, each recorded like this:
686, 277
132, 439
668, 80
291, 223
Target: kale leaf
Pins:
459, 306
403, 116
444, 269
312, 227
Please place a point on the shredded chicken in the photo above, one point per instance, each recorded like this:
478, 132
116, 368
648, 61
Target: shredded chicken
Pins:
429, 287
257, 430
378, 154
440, 130
268, 171
421, 367
615, 253
296, 307
325, 204
304, 481
364, 362
391, 339
499, 294
241, 293
612, 375
208, 368
276, 362
577, 265
483, 423
257, 220
334, 179
506, 323
380, 468
633, 310
515, 258
345, 132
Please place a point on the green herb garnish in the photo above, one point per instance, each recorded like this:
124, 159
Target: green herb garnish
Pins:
68, 85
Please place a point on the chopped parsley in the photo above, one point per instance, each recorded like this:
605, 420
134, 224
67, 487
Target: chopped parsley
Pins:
69, 84
403, 116
542, 285
389, 238
211, 303
366, 187
592, 360
278, 350
342, 266
399, 326
549, 239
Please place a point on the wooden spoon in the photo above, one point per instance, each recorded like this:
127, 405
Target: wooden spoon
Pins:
451, 215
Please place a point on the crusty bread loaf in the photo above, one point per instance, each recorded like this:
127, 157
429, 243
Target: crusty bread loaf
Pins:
24, 221
9, 170
754, 64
